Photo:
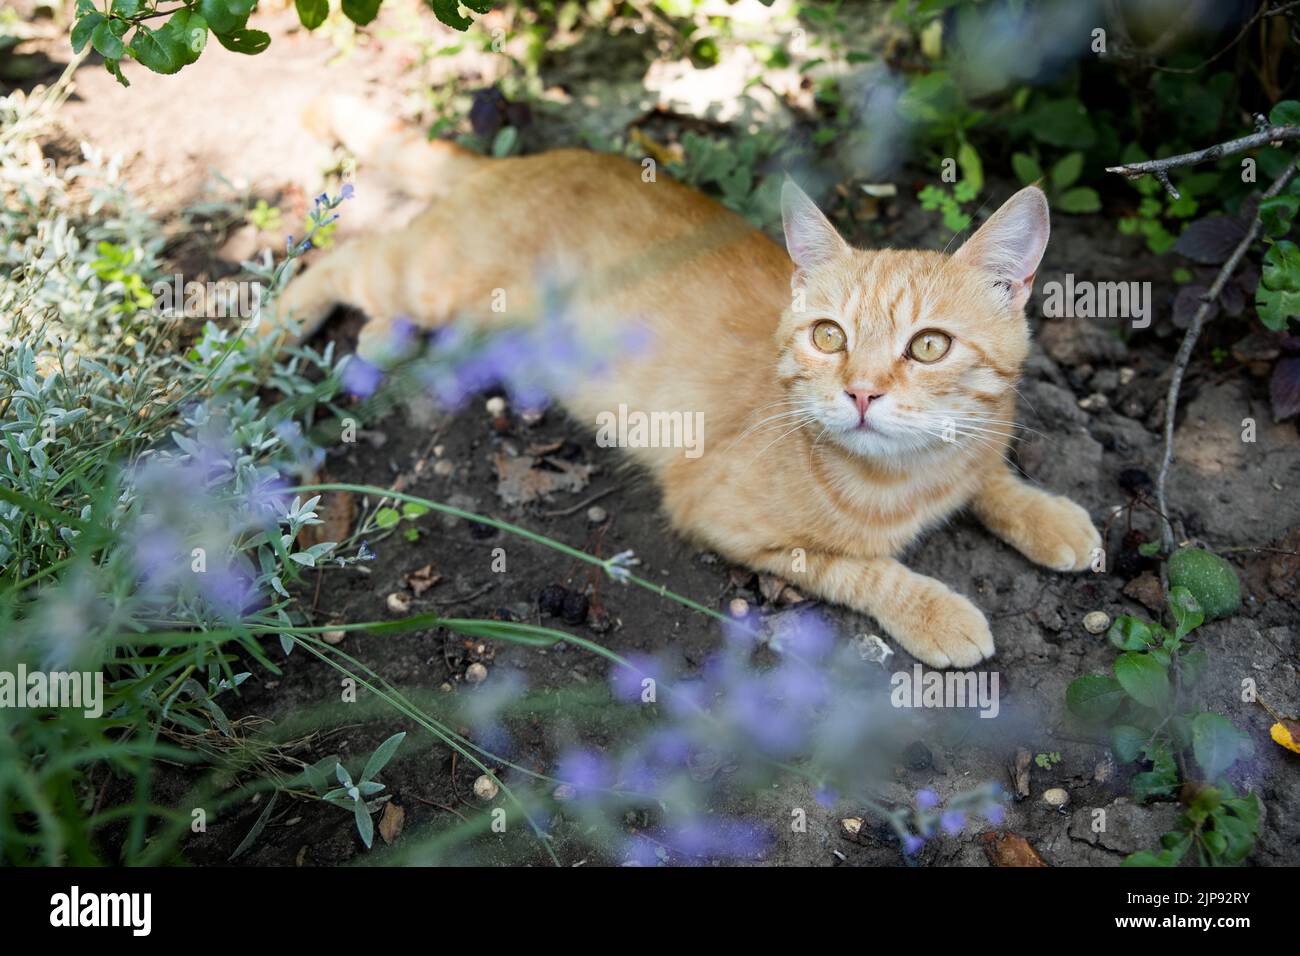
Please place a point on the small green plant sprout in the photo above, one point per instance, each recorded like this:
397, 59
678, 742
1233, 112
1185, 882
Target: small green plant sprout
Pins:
1047, 760
388, 518
1058, 182
1154, 720
265, 216
119, 265
352, 795
950, 204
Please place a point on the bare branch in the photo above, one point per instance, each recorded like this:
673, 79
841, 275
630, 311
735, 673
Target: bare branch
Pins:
1194, 332
1160, 167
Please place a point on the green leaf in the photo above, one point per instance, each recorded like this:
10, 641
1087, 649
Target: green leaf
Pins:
1187, 613
1094, 698
361, 12
312, 13
1079, 200
365, 826
1129, 633
185, 35
154, 50
225, 16
507, 140
1285, 113
107, 39
1067, 170
448, 11
1127, 741
972, 170
411, 510
387, 517
115, 68
1143, 679
1160, 780
248, 42
1217, 744
126, 8
83, 29
1276, 214
383, 753
1026, 168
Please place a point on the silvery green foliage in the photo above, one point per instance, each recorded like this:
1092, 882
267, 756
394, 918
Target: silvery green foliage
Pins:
97, 393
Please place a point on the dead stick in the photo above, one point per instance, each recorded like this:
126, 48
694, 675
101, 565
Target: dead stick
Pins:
1159, 168
1189, 342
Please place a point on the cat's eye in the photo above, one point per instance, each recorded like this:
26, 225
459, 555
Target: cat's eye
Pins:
929, 346
828, 337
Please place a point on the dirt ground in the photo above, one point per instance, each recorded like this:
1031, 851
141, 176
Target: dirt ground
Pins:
241, 118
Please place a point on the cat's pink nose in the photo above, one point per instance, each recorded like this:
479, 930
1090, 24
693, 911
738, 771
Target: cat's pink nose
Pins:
862, 397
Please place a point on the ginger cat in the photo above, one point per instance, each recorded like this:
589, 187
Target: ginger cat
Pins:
853, 399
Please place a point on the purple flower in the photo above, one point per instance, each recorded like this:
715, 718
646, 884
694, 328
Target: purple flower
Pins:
925, 799
628, 683
586, 772
912, 844
952, 821
360, 378
995, 813
347, 192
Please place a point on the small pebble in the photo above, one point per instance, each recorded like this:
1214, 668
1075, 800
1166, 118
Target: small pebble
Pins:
738, 607
596, 514
443, 468
496, 407
1056, 797
1126, 375
565, 791
485, 788
333, 637
1096, 622
1094, 402
476, 673
852, 825
399, 603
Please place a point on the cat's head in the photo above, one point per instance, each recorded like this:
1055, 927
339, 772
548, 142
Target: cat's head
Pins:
892, 352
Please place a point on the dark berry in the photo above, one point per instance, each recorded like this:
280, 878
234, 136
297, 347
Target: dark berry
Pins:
551, 601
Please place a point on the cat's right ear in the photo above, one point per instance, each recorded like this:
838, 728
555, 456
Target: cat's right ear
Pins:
810, 237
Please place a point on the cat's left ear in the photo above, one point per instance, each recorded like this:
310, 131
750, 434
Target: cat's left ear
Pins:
810, 238
1011, 244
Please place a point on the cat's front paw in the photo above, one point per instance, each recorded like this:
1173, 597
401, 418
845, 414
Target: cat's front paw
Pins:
1058, 534
945, 630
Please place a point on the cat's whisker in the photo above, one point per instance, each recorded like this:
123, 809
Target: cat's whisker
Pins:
811, 420
780, 418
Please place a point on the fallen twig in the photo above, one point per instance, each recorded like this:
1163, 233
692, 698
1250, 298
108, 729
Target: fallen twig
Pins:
1194, 332
1159, 168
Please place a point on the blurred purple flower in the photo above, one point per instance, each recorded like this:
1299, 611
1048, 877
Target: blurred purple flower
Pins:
952, 821
926, 799
360, 378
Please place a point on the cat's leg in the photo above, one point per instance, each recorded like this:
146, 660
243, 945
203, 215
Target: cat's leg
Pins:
367, 274
1048, 529
931, 621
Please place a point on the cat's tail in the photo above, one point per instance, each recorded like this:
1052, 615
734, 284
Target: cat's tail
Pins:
415, 165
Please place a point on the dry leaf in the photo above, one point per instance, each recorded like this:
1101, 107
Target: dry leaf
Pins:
526, 479
1020, 774
335, 511
391, 822
421, 579
1009, 849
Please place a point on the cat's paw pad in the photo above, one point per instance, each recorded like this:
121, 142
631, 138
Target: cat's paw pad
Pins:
947, 631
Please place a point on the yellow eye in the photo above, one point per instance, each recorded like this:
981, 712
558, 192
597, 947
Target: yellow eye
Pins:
929, 346
828, 337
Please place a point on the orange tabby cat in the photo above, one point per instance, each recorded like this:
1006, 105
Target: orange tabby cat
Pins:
851, 398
